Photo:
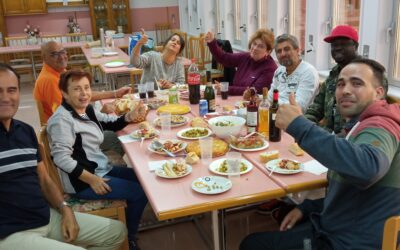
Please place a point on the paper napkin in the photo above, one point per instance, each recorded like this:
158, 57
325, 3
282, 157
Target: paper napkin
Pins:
153, 165
314, 167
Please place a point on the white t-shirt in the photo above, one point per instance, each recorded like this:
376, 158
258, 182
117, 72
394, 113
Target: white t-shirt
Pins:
304, 81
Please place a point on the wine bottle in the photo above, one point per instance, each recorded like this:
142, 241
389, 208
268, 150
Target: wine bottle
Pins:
209, 93
252, 112
263, 114
274, 132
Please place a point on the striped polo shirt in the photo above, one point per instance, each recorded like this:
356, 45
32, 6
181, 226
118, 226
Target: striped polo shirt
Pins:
22, 203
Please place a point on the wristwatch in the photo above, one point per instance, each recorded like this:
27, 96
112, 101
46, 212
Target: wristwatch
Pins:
62, 204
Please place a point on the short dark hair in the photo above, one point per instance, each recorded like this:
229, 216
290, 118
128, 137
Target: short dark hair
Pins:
181, 41
287, 37
74, 74
5, 67
377, 69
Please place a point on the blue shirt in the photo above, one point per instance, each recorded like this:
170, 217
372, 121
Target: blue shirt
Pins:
22, 204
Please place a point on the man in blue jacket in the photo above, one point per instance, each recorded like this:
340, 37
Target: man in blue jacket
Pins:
364, 168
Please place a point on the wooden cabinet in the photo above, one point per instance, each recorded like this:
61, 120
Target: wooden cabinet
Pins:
109, 14
24, 7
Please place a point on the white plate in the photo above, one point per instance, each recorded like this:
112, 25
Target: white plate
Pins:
239, 104
135, 134
161, 173
114, 64
110, 53
273, 166
211, 184
214, 166
180, 133
266, 145
183, 146
157, 122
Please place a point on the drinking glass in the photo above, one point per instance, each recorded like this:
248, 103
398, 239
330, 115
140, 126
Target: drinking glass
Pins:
234, 159
165, 120
150, 89
142, 88
206, 145
224, 90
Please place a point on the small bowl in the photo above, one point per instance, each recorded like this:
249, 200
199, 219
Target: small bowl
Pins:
224, 126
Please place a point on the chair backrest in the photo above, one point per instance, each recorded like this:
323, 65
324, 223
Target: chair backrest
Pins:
48, 38
185, 51
75, 37
136, 75
196, 46
42, 119
16, 41
390, 233
46, 157
163, 31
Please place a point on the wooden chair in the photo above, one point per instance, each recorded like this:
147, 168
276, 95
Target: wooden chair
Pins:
390, 233
163, 31
114, 209
196, 51
135, 76
39, 106
75, 37
20, 61
185, 51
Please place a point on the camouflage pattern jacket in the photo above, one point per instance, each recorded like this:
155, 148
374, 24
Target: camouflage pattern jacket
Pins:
323, 110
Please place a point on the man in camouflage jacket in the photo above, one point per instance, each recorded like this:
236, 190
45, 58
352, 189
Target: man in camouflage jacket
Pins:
344, 45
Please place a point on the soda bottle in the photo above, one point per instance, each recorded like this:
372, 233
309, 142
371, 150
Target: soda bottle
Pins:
263, 114
193, 78
274, 132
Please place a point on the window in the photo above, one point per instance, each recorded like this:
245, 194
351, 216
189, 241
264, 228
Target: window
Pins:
262, 6
236, 18
346, 12
394, 73
297, 20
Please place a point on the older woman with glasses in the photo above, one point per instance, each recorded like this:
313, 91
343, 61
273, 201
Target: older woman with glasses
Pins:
75, 134
254, 68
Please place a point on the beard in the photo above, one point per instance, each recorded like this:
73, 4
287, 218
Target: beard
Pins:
286, 62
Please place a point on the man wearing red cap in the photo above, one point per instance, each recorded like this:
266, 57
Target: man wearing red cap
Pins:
344, 45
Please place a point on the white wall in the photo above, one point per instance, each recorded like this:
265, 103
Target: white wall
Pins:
152, 3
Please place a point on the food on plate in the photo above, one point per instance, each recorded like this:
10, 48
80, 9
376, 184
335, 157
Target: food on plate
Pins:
289, 165
253, 141
171, 146
192, 158
220, 147
198, 122
195, 132
175, 120
174, 169
174, 109
296, 150
156, 103
227, 108
145, 130
223, 168
269, 155
125, 104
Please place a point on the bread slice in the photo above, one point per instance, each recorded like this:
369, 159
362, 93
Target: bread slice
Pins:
191, 158
296, 150
269, 155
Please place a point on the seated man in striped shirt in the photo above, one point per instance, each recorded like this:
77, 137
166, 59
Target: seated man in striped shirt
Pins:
33, 214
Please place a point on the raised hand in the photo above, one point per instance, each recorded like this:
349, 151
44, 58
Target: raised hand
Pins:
287, 113
143, 40
209, 37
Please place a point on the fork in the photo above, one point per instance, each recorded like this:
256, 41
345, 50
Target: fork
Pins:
272, 170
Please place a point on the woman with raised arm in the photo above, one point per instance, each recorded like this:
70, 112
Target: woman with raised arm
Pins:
254, 68
166, 66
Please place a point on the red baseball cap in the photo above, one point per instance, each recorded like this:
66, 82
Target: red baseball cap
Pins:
346, 31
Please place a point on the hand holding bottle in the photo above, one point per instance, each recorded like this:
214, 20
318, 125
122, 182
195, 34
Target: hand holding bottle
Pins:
143, 40
209, 37
288, 112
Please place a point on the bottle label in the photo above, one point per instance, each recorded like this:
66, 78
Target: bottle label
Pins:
211, 105
193, 78
273, 116
251, 119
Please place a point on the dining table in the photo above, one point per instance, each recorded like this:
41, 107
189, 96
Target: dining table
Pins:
176, 197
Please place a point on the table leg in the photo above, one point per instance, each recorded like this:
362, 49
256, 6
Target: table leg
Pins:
33, 66
215, 229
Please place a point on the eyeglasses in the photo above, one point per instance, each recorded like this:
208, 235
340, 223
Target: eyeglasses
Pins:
258, 45
56, 54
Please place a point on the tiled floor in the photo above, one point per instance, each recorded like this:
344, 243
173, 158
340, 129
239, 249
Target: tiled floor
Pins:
178, 236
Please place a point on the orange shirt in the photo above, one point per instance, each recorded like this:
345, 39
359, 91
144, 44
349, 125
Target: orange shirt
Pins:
46, 90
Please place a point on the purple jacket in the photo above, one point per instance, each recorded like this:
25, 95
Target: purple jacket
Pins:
249, 73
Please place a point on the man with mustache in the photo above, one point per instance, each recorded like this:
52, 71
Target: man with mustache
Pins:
294, 75
364, 168
344, 45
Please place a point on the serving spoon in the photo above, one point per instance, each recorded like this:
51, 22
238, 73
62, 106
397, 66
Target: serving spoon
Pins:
156, 145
